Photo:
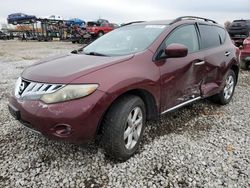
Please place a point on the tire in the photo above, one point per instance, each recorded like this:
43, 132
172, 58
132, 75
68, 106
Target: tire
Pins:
100, 33
243, 65
225, 96
119, 138
73, 42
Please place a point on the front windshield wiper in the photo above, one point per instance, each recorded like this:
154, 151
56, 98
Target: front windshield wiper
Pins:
77, 51
95, 54
90, 53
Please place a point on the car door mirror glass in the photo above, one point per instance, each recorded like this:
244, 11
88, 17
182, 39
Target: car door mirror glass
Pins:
176, 50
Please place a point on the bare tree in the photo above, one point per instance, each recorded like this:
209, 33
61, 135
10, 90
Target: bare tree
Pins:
227, 24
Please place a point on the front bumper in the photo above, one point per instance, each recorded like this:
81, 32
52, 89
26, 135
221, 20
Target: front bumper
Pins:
74, 121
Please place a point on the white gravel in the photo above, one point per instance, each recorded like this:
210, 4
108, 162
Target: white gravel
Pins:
201, 145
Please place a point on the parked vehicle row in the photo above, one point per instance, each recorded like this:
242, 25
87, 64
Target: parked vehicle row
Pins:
123, 79
54, 26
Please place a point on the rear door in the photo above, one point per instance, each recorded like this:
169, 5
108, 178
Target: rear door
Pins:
181, 77
216, 57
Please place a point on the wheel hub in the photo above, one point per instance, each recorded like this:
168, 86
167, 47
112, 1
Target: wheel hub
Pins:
228, 89
133, 128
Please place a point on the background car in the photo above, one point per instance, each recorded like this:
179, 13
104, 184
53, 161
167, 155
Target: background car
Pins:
95, 29
239, 30
245, 54
6, 36
75, 22
54, 17
3, 36
19, 18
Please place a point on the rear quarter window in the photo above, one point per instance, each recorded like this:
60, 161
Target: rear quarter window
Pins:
209, 36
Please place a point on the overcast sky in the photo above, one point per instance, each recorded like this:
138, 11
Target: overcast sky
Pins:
119, 11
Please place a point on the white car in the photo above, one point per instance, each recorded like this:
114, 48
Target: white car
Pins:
54, 17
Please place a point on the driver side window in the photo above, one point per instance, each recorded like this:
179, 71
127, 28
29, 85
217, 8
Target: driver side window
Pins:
185, 35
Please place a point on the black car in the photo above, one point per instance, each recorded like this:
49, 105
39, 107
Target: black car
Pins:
239, 30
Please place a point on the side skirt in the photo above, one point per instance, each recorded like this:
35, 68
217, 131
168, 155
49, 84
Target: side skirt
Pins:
181, 105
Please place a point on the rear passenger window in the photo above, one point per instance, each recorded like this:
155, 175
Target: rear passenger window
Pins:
222, 34
209, 36
185, 35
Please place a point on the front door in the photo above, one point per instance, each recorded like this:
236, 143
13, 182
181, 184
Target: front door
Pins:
181, 78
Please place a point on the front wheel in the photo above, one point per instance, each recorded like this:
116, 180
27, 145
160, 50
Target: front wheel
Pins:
225, 96
100, 33
123, 127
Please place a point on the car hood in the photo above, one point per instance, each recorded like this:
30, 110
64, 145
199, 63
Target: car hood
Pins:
66, 68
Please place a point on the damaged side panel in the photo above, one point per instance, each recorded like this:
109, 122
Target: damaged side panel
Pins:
215, 68
181, 79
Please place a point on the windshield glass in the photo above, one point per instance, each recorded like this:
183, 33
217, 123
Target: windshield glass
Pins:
125, 40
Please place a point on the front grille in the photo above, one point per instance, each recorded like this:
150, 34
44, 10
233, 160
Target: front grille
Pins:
26, 89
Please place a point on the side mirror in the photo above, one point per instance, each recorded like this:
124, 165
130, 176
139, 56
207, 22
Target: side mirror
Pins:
176, 50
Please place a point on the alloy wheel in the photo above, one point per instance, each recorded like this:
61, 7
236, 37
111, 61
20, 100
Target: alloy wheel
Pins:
228, 89
133, 128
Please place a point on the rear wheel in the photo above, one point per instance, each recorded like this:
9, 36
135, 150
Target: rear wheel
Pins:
225, 96
123, 127
244, 65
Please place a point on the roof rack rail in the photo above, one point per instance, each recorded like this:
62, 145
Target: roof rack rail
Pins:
131, 23
192, 18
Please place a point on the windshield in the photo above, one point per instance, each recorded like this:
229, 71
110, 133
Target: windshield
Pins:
125, 40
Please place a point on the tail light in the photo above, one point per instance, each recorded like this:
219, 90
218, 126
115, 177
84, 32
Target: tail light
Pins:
246, 42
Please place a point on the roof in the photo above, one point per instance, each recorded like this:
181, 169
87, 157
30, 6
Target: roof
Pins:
169, 22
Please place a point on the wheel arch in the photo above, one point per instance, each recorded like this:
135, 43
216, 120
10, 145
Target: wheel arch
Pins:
152, 112
235, 68
100, 31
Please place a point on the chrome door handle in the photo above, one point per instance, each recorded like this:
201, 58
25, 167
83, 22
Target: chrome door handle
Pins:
227, 53
199, 63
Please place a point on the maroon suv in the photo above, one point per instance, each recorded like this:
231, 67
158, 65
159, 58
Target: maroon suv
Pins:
133, 74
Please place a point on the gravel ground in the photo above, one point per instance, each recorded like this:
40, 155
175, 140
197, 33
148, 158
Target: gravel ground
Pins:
201, 145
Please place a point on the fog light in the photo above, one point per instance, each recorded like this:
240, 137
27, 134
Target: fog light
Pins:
62, 130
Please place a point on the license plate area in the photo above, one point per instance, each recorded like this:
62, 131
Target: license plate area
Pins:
14, 112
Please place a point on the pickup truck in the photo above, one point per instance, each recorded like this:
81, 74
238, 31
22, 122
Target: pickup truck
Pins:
97, 30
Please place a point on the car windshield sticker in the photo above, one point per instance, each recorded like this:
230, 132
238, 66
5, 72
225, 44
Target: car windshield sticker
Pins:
155, 26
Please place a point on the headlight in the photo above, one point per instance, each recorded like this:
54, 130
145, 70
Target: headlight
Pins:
69, 92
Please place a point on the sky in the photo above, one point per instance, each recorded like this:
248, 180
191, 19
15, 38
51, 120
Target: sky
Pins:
121, 11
